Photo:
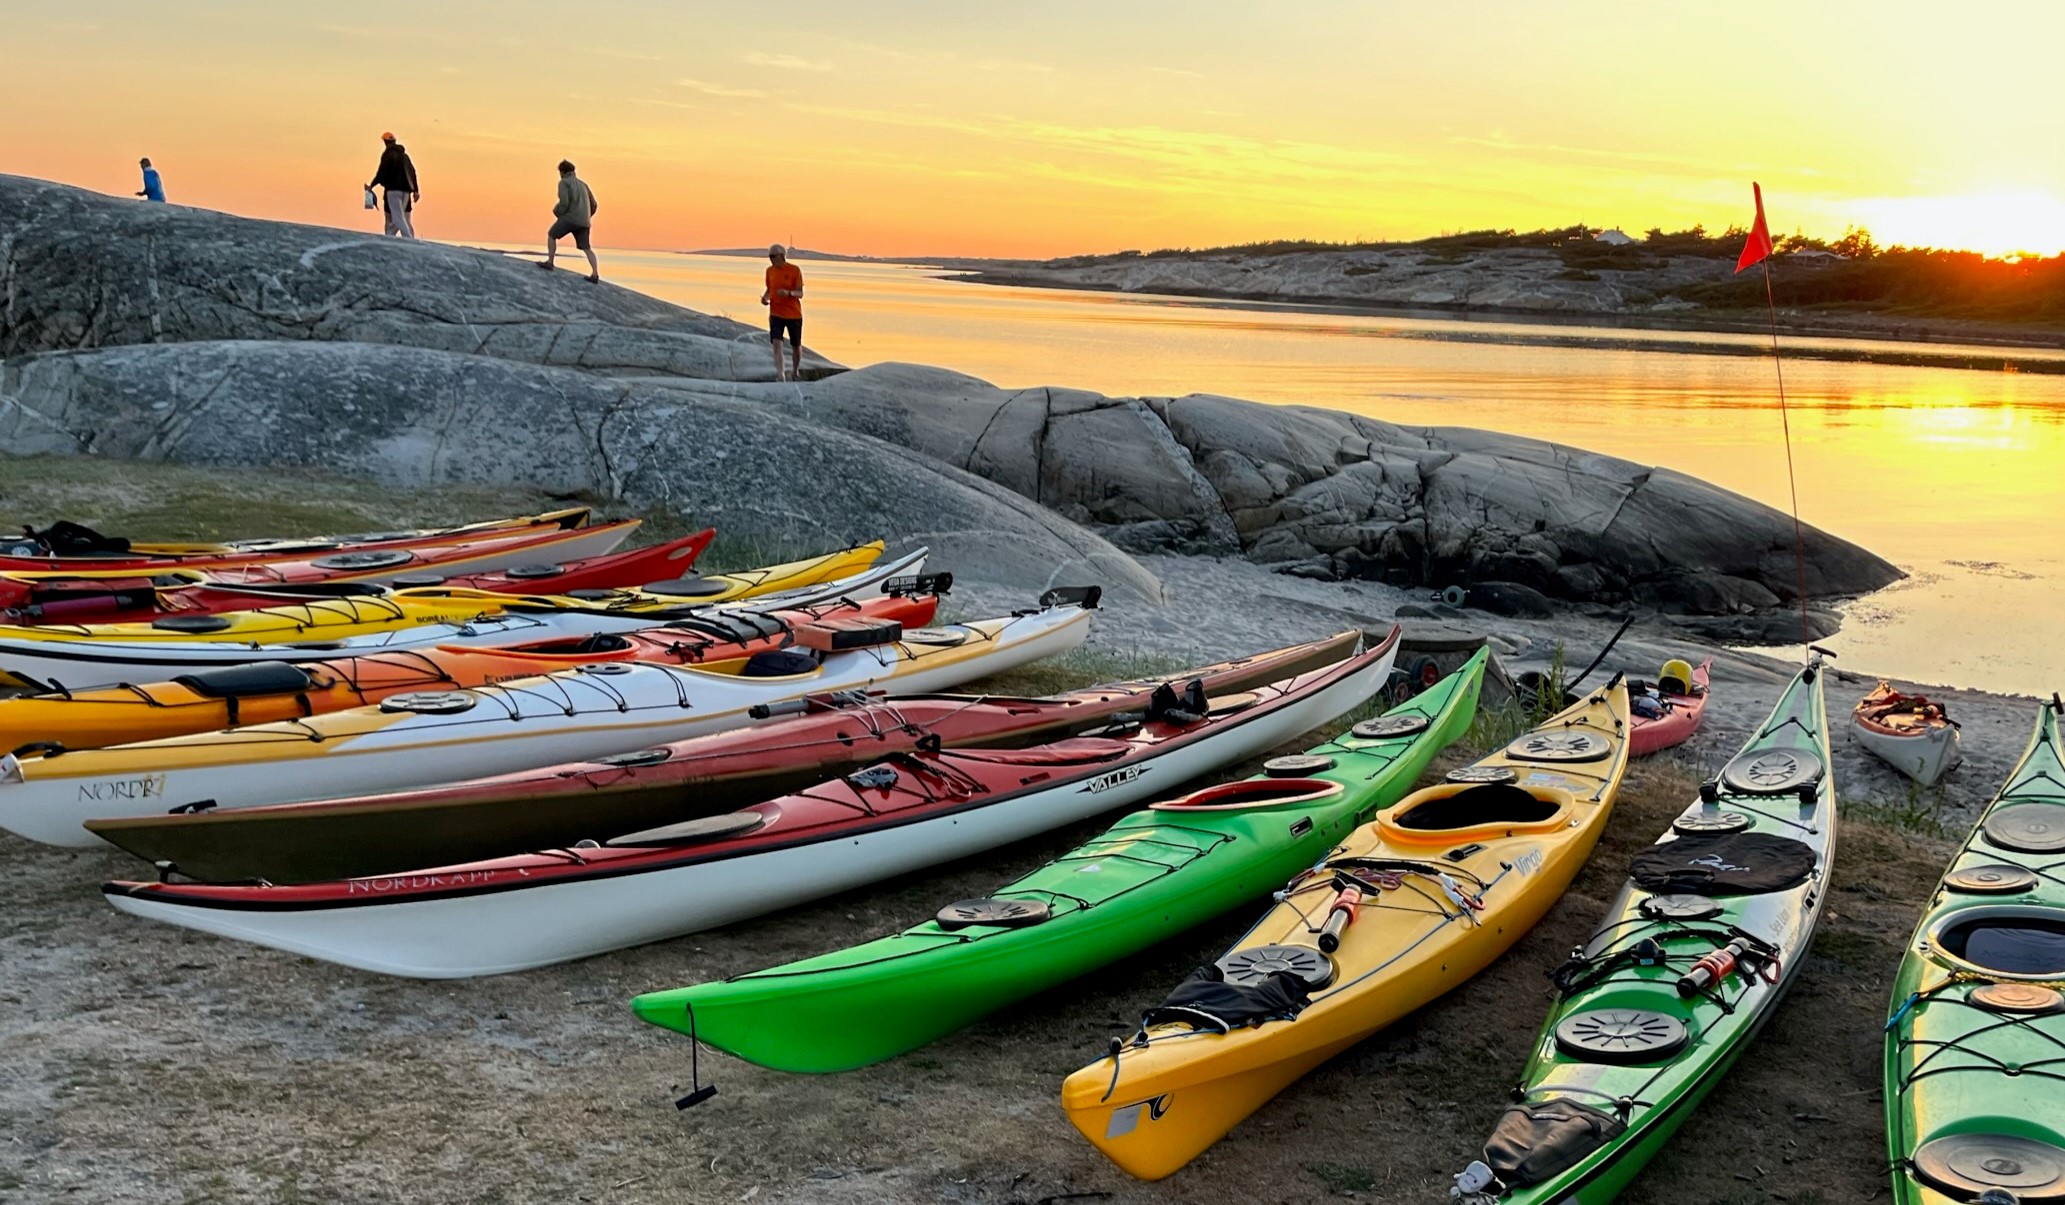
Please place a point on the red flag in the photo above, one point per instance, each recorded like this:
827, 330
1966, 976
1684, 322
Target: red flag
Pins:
1759, 245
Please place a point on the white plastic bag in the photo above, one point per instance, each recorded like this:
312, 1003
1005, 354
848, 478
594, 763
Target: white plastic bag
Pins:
371, 201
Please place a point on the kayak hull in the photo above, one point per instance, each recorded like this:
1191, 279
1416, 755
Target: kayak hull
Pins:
1679, 723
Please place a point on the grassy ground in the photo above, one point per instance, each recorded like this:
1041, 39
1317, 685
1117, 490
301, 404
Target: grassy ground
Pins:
144, 1063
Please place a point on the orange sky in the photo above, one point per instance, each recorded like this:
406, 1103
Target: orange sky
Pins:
897, 127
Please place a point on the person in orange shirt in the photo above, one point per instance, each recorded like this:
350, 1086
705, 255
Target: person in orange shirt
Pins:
783, 298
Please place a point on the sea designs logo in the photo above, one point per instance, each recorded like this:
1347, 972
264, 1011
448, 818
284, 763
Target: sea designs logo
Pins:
1126, 1118
1104, 782
150, 786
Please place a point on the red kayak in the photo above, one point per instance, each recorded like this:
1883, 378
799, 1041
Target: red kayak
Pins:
907, 812
557, 805
1680, 705
68, 547
196, 592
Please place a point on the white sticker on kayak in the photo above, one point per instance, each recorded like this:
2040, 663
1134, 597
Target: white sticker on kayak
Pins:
1126, 1118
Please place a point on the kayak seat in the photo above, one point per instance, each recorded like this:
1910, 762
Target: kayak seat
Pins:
1252, 793
1485, 803
1059, 753
257, 678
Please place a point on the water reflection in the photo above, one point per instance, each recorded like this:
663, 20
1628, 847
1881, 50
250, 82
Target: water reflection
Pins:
1938, 469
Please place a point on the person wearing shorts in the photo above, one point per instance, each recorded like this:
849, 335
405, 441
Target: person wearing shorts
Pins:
574, 214
783, 298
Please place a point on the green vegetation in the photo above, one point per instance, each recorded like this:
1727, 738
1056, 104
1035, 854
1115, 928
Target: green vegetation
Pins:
1340, 1178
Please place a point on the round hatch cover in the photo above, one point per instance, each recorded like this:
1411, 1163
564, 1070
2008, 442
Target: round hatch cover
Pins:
939, 636
1620, 1035
1966, 1165
1009, 914
1996, 879
365, 560
689, 587
2030, 828
607, 669
594, 594
412, 581
431, 702
536, 570
191, 623
1296, 765
1257, 963
637, 757
2017, 998
1571, 745
1680, 907
1772, 772
1385, 727
702, 828
1707, 820
1482, 774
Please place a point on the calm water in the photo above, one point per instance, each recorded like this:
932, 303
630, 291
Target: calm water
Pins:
1957, 476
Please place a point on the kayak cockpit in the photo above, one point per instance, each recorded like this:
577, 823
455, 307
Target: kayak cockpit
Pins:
1446, 813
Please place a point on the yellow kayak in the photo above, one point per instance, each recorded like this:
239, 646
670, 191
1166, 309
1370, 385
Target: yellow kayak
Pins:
1408, 906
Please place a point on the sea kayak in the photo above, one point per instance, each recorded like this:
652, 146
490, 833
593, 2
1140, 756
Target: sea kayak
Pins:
908, 812
1666, 713
1153, 875
372, 565
426, 737
85, 656
239, 695
1406, 908
39, 599
1693, 957
1975, 1109
68, 545
1914, 734
816, 739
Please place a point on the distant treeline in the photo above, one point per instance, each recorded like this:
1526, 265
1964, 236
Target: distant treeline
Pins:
1855, 274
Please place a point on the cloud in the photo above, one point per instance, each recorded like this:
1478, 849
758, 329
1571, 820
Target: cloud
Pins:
785, 62
710, 89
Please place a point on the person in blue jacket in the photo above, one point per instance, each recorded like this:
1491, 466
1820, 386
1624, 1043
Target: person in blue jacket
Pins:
153, 188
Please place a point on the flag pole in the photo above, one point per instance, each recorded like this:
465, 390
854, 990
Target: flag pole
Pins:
1785, 421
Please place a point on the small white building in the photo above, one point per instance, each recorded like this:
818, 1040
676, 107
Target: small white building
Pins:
1613, 238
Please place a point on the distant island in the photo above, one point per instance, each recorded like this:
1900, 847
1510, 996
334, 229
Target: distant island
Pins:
1680, 280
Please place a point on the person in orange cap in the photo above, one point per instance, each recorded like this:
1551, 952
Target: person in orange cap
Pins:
396, 178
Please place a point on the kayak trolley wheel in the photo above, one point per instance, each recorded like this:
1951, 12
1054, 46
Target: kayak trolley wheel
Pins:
605, 669
638, 757
1296, 765
191, 623
1620, 1035
414, 581
1997, 879
1454, 596
1680, 907
1706, 820
541, 570
689, 587
1482, 774
2017, 998
1257, 963
2030, 828
702, 828
1569, 746
431, 702
370, 559
1967, 1165
1385, 727
1772, 772
1005, 914
943, 637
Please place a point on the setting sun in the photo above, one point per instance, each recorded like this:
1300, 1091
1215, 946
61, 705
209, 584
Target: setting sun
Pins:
1994, 223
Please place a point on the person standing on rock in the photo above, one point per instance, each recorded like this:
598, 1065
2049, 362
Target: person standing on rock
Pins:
783, 298
573, 215
396, 179
153, 188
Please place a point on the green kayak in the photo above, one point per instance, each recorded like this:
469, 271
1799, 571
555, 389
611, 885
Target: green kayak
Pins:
1709, 930
1975, 1049
1149, 877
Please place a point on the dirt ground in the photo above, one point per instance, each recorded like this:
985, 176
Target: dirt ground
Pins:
147, 1063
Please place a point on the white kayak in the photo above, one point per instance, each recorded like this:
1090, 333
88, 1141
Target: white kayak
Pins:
427, 738
1911, 733
89, 665
907, 813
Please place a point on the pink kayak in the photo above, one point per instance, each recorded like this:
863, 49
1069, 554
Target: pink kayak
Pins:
1682, 711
